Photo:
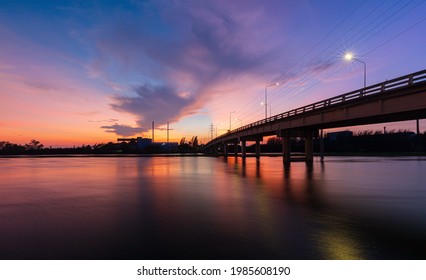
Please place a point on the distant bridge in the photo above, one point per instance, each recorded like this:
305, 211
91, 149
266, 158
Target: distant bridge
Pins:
399, 99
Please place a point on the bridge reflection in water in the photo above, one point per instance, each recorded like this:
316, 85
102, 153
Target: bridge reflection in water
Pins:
350, 207
208, 208
399, 99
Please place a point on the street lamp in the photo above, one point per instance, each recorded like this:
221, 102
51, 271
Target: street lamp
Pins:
266, 97
230, 118
241, 122
263, 104
349, 57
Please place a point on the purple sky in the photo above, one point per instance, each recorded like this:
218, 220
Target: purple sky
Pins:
75, 72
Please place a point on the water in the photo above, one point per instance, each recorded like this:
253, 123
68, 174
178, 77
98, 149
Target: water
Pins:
210, 208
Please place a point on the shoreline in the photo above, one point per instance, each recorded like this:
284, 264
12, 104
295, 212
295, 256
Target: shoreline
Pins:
295, 155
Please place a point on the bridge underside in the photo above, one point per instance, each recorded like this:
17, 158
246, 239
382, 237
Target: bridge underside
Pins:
401, 104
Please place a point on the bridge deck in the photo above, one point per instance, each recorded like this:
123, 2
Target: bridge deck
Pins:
402, 98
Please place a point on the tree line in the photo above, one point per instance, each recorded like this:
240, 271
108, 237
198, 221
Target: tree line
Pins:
35, 147
367, 141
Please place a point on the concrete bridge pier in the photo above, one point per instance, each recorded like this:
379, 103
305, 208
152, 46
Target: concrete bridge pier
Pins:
417, 127
225, 149
307, 134
322, 146
243, 149
309, 146
235, 144
213, 150
285, 136
257, 148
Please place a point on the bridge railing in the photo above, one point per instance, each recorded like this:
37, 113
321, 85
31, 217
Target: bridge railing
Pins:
397, 83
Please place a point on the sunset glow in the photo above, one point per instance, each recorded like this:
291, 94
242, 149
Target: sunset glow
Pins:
74, 73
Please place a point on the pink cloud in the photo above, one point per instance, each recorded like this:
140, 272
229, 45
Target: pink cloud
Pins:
189, 47
122, 130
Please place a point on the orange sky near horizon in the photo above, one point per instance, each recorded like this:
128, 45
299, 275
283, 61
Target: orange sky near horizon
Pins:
85, 74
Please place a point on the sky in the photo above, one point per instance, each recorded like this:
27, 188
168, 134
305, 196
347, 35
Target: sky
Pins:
86, 72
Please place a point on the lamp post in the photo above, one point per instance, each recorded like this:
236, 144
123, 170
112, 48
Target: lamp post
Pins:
241, 122
349, 57
266, 97
270, 110
230, 118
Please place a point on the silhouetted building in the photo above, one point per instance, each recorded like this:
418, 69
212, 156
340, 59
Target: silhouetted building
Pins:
143, 142
169, 146
139, 142
339, 135
145, 145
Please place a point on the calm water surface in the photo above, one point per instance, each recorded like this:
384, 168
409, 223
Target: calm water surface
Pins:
210, 208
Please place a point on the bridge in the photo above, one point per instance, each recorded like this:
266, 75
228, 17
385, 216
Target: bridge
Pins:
399, 99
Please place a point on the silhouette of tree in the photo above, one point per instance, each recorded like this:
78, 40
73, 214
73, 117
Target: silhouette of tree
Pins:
3, 144
188, 147
274, 141
194, 142
11, 149
34, 145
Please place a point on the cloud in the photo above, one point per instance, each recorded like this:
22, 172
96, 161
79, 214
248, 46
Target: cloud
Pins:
108, 121
166, 59
160, 104
41, 85
122, 130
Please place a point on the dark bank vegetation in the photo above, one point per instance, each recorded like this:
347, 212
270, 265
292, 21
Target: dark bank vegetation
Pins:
343, 142
347, 142
35, 147
368, 141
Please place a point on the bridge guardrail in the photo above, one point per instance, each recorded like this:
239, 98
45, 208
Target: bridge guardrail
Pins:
397, 83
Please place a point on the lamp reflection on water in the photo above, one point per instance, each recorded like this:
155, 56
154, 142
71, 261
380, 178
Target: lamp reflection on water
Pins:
338, 244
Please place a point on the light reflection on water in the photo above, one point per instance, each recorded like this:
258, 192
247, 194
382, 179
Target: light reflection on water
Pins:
211, 208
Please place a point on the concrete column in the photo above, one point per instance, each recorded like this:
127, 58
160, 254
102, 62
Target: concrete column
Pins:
257, 148
417, 127
236, 148
286, 147
225, 149
309, 147
243, 149
418, 142
322, 146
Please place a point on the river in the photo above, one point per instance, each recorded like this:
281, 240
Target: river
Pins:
212, 208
